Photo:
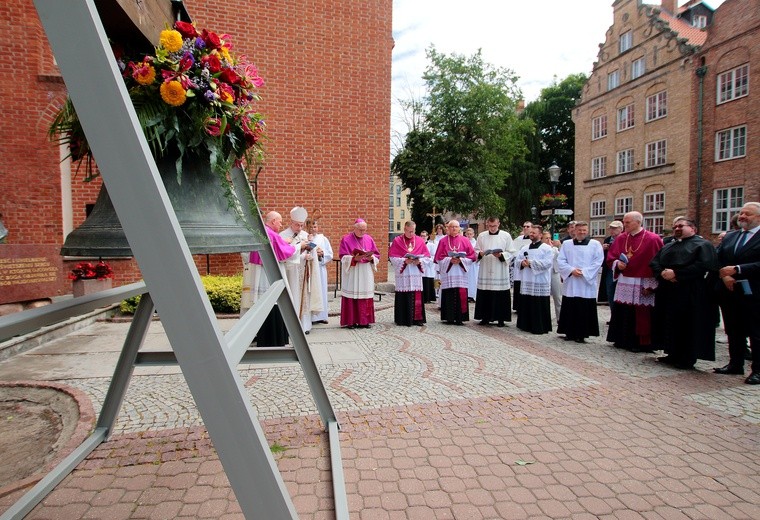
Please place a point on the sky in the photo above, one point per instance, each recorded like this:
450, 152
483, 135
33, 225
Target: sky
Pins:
537, 39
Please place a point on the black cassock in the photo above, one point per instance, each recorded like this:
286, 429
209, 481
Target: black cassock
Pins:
684, 311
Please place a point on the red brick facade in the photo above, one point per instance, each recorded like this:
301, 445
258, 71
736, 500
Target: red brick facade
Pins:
733, 45
327, 67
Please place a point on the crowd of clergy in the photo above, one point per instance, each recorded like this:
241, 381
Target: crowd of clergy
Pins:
663, 294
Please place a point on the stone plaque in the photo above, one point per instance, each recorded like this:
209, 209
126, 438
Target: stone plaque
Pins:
30, 272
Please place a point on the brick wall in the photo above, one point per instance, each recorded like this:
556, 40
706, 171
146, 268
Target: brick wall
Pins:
327, 67
733, 40
667, 69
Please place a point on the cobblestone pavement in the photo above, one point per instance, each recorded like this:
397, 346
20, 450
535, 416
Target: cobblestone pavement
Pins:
438, 422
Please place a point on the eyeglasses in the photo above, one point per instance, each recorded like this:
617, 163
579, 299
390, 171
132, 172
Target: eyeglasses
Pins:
679, 226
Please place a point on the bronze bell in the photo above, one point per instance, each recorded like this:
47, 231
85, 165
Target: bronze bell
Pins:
208, 221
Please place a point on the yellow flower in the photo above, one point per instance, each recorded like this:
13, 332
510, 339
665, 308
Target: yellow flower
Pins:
171, 40
172, 93
226, 54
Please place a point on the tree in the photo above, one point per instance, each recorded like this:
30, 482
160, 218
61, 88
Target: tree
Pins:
458, 154
552, 115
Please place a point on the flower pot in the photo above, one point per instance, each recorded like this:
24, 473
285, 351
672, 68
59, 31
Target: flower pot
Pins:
206, 214
93, 285
554, 204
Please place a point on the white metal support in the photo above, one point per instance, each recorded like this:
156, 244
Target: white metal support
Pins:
105, 110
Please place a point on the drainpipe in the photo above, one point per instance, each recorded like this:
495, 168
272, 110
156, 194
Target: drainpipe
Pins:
701, 73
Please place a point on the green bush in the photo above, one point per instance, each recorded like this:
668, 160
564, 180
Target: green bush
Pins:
223, 293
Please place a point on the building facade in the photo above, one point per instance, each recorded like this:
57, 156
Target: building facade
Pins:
725, 164
399, 208
633, 136
327, 98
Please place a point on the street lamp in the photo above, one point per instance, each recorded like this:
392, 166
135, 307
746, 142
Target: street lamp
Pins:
554, 172
533, 212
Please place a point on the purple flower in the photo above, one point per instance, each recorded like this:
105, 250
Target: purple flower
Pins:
209, 95
199, 43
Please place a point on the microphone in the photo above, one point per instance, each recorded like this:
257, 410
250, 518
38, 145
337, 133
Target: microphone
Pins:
525, 254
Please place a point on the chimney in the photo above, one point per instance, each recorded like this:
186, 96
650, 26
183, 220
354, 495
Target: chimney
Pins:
671, 6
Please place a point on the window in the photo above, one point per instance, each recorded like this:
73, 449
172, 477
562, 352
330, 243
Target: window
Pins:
731, 143
599, 167
638, 67
654, 224
625, 161
597, 228
599, 127
726, 202
657, 105
398, 226
623, 205
390, 227
625, 118
598, 208
398, 202
390, 215
626, 41
733, 84
398, 189
613, 79
403, 215
657, 153
699, 21
654, 202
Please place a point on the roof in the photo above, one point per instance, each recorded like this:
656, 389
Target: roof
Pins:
693, 35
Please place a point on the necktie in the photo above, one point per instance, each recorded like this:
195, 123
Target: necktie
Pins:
742, 241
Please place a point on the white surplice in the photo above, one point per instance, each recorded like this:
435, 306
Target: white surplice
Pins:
588, 258
493, 273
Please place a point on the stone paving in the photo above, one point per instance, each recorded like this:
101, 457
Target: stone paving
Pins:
438, 422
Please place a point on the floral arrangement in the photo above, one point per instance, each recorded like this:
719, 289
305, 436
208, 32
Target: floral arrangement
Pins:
192, 93
548, 198
90, 271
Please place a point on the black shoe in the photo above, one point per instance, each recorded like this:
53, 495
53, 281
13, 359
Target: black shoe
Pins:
753, 379
730, 369
306, 332
568, 338
500, 324
580, 340
668, 360
642, 350
485, 323
683, 366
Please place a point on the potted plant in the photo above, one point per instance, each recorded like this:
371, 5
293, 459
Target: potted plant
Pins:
88, 278
555, 200
197, 106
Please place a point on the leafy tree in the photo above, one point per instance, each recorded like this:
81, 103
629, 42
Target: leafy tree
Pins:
463, 143
555, 130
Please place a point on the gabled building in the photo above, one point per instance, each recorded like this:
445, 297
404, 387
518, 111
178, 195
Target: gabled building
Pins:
725, 125
633, 144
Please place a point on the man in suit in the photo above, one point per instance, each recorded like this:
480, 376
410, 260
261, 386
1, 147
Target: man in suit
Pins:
739, 291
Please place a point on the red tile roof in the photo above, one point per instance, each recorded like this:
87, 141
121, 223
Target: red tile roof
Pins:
684, 30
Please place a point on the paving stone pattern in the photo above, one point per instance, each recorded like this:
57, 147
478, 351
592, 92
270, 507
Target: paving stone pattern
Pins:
443, 422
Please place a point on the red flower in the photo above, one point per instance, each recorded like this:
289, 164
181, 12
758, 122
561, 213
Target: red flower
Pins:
212, 39
213, 63
187, 30
230, 76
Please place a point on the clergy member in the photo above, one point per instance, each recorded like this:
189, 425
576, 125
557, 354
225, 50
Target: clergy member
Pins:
684, 315
579, 262
324, 254
273, 332
358, 257
494, 248
629, 257
519, 242
454, 257
409, 256
299, 269
472, 274
428, 274
535, 266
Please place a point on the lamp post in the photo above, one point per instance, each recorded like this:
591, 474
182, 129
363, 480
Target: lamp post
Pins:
554, 172
533, 212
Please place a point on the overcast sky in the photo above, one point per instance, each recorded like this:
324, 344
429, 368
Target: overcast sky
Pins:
537, 39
